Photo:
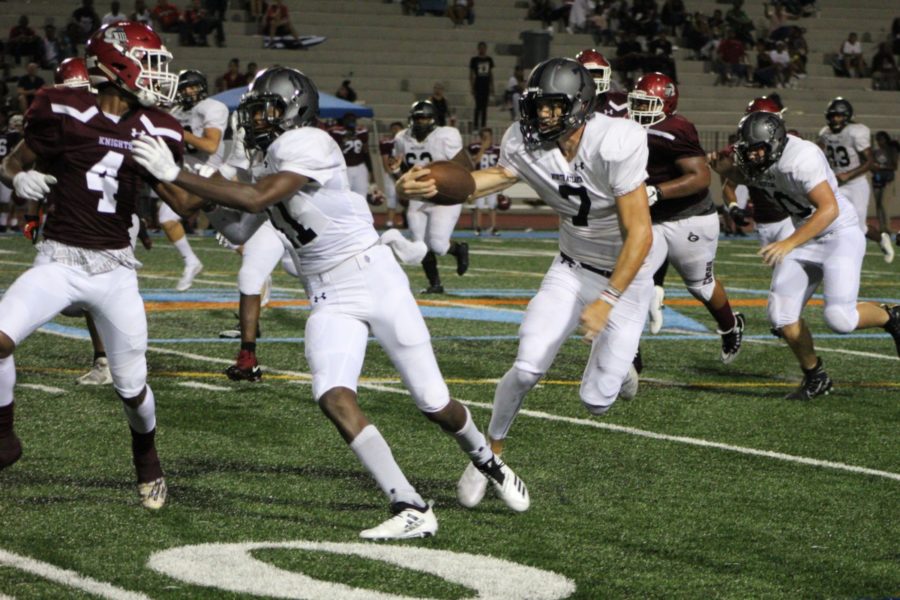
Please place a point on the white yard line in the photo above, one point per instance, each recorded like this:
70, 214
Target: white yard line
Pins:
43, 388
204, 386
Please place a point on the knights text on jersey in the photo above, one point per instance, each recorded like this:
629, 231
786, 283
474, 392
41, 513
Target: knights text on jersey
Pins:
206, 114
612, 104
353, 146
611, 161
672, 139
488, 159
89, 153
441, 144
801, 168
325, 221
844, 149
8, 141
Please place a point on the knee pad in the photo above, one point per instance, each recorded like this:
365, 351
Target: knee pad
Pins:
438, 245
524, 376
703, 292
842, 318
251, 280
598, 396
129, 375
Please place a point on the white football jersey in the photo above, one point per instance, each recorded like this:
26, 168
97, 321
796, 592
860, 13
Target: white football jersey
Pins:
844, 149
325, 221
611, 161
441, 144
802, 167
206, 114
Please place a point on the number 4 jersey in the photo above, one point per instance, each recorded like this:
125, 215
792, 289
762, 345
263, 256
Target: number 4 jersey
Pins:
611, 161
89, 153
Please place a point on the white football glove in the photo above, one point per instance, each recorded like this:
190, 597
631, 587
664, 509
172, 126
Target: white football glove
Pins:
153, 154
652, 194
224, 242
32, 185
407, 251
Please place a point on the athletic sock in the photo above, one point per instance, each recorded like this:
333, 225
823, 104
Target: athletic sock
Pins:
473, 441
724, 316
143, 418
7, 380
429, 264
184, 248
143, 454
373, 452
659, 278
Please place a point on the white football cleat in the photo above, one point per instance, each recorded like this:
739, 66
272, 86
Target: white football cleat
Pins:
471, 486
886, 247
406, 524
507, 484
191, 270
656, 309
153, 493
98, 375
629, 387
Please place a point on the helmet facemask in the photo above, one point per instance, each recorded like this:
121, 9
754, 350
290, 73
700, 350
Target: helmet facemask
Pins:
753, 159
155, 84
261, 117
546, 117
837, 125
645, 109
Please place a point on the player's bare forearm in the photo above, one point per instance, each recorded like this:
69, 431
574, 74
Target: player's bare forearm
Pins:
827, 211
725, 168
492, 180
695, 178
637, 236
252, 198
20, 159
728, 192
182, 202
209, 143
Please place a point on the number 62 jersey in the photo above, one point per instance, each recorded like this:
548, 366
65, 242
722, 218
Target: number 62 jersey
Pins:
611, 161
89, 153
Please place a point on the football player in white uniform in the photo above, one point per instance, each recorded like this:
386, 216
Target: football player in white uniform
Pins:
353, 282
826, 247
204, 121
419, 144
591, 169
848, 146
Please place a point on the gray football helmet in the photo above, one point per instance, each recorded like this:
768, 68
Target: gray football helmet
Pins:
280, 98
759, 131
838, 107
423, 109
561, 80
191, 78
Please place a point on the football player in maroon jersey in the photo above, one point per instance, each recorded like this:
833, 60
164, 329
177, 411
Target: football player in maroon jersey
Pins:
681, 208
613, 104
353, 140
485, 154
83, 143
391, 167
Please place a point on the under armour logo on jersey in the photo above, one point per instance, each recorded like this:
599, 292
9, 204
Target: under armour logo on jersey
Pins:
579, 166
136, 132
317, 297
693, 237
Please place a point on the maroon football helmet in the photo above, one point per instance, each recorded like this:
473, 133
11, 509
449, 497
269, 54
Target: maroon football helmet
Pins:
765, 104
72, 73
654, 97
598, 67
503, 202
131, 56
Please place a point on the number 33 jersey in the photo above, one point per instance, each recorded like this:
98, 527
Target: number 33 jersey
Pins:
325, 221
441, 144
844, 149
611, 161
801, 168
89, 153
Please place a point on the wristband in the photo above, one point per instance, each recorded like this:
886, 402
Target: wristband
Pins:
611, 295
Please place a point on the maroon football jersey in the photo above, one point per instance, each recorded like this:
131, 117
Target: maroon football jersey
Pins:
612, 104
764, 208
89, 153
488, 159
354, 145
672, 139
386, 146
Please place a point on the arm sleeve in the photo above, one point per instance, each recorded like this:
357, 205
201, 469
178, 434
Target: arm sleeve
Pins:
43, 128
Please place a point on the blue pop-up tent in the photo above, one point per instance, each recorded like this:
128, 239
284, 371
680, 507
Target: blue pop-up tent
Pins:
330, 107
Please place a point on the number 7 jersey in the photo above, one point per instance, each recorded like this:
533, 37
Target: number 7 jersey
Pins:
89, 153
611, 161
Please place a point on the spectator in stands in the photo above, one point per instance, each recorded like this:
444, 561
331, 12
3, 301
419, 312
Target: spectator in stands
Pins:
87, 19
215, 11
514, 88
777, 17
766, 72
252, 70
895, 34
710, 51
345, 92
481, 82
740, 22
55, 48
673, 15
233, 78
696, 34
732, 59
166, 17
781, 60
441, 108
141, 13
660, 58
578, 16
458, 11
28, 85
196, 25
884, 69
114, 15
601, 24
717, 21
277, 22
796, 44
629, 57
851, 57
23, 41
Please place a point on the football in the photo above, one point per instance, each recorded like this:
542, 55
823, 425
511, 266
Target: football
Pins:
454, 182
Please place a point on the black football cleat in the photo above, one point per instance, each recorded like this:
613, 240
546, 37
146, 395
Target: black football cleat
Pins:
462, 258
245, 368
10, 451
731, 340
893, 324
816, 382
434, 289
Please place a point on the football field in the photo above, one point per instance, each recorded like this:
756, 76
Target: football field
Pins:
709, 484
